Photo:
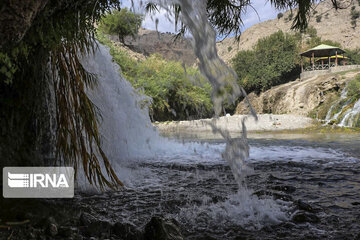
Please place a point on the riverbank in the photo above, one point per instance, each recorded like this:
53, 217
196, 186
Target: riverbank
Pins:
265, 122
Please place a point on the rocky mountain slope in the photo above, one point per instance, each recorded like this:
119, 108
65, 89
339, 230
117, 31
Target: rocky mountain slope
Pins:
333, 25
300, 97
149, 42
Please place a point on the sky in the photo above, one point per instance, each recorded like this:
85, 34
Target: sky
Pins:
264, 9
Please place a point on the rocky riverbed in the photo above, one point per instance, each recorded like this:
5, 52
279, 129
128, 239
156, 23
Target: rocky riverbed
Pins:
265, 122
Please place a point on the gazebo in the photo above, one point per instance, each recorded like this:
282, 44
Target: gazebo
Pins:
324, 54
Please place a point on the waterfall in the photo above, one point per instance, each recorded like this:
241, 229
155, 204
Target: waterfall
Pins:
344, 119
131, 143
329, 117
351, 116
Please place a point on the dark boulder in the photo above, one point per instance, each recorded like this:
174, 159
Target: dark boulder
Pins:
127, 231
160, 228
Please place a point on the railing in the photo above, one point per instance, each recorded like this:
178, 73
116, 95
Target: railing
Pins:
319, 67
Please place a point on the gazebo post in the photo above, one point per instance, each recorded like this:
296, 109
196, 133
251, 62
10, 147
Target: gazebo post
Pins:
329, 62
336, 59
301, 63
313, 61
322, 63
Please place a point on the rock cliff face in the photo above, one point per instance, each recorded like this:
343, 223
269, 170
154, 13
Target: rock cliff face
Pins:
299, 97
150, 42
334, 25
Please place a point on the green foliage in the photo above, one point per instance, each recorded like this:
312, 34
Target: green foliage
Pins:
51, 45
273, 61
229, 48
311, 31
122, 23
354, 88
354, 55
7, 69
318, 18
176, 94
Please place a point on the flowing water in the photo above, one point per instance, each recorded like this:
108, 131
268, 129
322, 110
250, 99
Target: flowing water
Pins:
189, 180
199, 191
345, 116
298, 188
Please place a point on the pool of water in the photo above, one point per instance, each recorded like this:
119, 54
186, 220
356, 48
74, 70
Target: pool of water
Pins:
296, 186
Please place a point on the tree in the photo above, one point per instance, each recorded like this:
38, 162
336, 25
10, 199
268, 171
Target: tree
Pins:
122, 23
273, 61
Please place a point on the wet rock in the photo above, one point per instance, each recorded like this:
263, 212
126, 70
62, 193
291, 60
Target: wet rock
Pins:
126, 231
302, 217
86, 219
67, 231
94, 226
304, 206
160, 228
52, 230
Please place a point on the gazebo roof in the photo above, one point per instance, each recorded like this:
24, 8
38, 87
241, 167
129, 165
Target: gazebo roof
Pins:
322, 50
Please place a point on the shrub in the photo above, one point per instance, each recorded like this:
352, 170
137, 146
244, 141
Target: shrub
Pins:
354, 14
122, 23
229, 48
311, 31
318, 18
354, 88
280, 15
176, 94
354, 55
273, 61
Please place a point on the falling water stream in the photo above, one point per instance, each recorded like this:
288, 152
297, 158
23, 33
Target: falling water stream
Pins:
189, 181
344, 116
250, 194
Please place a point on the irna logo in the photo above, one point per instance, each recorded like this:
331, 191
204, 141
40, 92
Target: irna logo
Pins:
18, 180
38, 182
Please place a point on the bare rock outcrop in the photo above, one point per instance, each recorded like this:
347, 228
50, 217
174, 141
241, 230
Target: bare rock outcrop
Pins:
299, 97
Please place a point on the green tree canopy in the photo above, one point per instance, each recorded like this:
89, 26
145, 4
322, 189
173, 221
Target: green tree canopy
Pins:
122, 23
273, 61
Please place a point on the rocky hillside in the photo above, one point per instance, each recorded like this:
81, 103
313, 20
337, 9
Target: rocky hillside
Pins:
301, 97
330, 24
150, 42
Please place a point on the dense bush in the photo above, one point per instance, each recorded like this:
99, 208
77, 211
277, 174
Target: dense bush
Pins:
354, 55
176, 94
354, 88
273, 61
121, 23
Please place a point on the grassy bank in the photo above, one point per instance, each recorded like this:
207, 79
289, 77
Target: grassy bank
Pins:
177, 92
